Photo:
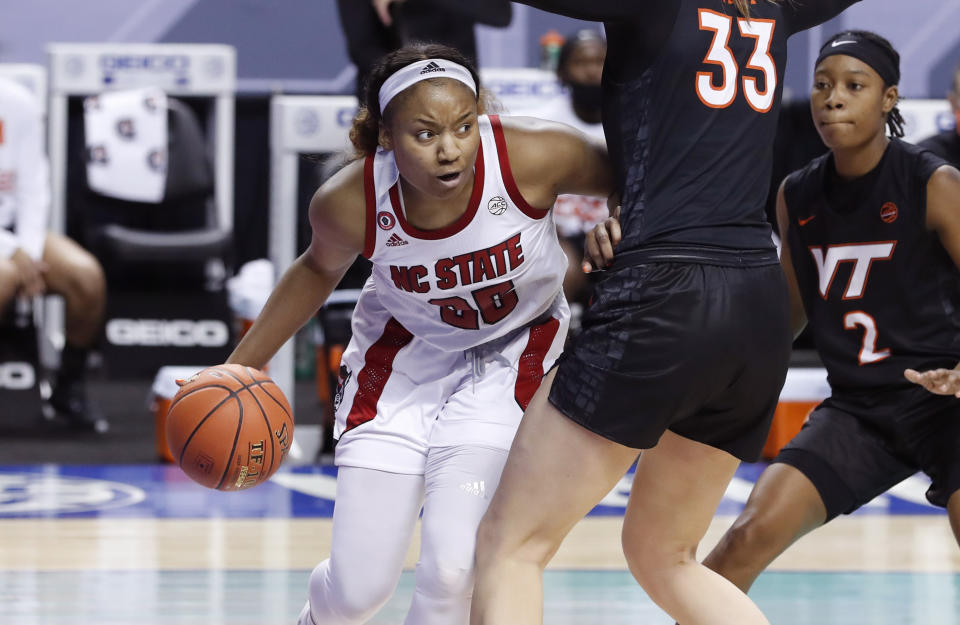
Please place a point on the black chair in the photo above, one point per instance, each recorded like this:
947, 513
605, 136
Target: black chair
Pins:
165, 263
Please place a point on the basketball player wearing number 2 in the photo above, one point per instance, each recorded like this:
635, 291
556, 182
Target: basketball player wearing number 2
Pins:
871, 235
452, 333
685, 346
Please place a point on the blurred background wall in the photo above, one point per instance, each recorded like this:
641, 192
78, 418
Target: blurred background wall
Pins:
296, 46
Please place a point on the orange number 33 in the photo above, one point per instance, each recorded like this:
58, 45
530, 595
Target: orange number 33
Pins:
722, 96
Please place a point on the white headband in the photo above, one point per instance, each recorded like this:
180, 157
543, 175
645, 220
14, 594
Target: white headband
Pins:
423, 70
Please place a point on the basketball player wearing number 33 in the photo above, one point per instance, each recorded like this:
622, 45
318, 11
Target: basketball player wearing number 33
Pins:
871, 235
685, 347
452, 333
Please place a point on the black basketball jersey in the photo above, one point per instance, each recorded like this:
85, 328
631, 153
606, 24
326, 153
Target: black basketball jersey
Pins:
691, 93
880, 292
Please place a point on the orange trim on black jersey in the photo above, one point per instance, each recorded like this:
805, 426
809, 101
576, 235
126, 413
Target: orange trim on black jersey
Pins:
512, 190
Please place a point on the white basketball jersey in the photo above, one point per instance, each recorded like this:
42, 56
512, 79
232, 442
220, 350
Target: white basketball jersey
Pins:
498, 267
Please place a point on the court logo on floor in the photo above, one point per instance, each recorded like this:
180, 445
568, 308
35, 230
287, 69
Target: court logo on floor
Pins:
34, 494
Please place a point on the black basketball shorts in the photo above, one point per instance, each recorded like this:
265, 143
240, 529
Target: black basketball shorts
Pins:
699, 347
856, 446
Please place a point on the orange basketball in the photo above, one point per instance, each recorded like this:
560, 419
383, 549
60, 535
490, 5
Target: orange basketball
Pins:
229, 427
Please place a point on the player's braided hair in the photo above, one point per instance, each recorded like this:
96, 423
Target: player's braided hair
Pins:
365, 133
895, 121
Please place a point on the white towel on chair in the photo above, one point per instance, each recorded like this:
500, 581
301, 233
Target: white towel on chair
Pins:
126, 141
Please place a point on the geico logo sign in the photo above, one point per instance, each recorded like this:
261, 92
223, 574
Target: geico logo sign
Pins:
17, 376
176, 332
526, 89
345, 117
146, 62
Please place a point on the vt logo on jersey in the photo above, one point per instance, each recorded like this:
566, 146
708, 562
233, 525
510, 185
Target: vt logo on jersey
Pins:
861, 255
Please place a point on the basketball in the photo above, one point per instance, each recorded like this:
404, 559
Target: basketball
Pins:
229, 427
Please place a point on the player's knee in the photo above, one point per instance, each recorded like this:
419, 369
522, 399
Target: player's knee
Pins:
353, 595
752, 533
496, 543
89, 278
488, 541
444, 579
652, 558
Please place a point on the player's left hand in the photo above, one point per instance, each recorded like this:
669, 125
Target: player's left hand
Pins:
599, 244
937, 381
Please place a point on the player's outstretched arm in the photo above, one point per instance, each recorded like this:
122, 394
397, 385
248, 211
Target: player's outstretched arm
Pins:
338, 224
943, 217
937, 381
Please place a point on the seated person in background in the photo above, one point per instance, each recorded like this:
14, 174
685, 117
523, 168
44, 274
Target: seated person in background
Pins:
579, 69
36, 262
946, 144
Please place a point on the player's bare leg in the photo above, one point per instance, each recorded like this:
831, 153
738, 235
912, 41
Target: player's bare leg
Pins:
953, 511
676, 490
556, 472
76, 275
9, 282
783, 506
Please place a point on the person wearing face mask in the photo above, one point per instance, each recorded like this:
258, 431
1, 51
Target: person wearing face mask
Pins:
946, 144
579, 68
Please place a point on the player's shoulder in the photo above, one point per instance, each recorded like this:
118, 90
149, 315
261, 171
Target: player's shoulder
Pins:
915, 160
343, 195
538, 139
809, 174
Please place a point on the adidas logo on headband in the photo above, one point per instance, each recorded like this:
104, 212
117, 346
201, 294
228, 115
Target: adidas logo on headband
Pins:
430, 68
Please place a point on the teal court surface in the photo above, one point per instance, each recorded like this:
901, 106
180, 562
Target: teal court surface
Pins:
143, 545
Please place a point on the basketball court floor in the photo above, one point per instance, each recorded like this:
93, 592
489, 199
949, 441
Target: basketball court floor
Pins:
143, 545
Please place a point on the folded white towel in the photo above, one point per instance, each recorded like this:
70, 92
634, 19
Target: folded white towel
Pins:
126, 141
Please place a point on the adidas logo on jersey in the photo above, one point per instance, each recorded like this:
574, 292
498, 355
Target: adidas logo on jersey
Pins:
430, 68
395, 241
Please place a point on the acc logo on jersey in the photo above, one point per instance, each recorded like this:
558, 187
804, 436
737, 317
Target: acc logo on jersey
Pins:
889, 213
35, 493
385, 220
497, 205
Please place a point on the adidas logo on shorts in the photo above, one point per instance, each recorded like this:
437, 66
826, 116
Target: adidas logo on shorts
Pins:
395, 241
475, 488
431, 67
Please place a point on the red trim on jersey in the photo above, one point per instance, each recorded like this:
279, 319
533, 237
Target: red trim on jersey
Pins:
370, 193
462, 222
377, 368
505, 172
530, 366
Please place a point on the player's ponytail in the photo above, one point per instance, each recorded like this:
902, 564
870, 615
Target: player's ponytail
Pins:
365, 133
743, 6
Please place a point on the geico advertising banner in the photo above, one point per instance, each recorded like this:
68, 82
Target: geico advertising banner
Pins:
146, 331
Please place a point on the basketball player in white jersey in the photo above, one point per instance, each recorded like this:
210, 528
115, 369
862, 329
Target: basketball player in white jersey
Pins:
453, 332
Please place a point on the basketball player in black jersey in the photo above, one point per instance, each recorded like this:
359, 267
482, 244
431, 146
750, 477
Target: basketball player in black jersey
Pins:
871, 235
685, 347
